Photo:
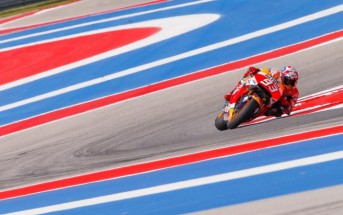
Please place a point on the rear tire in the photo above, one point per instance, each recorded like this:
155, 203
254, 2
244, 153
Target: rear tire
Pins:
220, 123
244, 114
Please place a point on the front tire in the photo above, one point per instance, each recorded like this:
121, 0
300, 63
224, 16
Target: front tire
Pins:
243, 114
220, 123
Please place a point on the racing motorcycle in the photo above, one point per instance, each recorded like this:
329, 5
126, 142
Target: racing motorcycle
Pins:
250, 99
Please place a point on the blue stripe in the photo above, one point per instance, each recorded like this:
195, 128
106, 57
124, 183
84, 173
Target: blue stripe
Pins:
238, 19
119, 63
177, 174
225, 193
86, 20
182, 67
93, 26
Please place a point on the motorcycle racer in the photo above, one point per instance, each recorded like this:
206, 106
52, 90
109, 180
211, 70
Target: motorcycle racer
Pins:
288, 77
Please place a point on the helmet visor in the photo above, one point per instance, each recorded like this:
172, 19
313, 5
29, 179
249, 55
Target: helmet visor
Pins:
289, 81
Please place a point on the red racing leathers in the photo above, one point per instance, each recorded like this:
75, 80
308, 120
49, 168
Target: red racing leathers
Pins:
288, 100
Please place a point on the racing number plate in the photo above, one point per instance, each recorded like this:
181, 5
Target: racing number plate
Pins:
270, 85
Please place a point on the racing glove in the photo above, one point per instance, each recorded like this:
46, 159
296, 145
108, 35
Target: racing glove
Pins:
286, 105
251, 70
227, 96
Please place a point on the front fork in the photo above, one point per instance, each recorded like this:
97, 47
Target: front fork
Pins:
225, 110
229, 110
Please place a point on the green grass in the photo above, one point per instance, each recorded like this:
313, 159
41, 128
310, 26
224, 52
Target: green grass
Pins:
32, 7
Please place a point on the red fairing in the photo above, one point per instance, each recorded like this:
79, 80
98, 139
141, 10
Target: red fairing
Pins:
240, 89
270, 84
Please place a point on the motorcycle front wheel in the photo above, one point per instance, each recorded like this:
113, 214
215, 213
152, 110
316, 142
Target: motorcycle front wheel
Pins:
243, 114
220, 123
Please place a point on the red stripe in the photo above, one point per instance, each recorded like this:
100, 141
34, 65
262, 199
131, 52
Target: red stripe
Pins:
35, 59
77, 109
166, 163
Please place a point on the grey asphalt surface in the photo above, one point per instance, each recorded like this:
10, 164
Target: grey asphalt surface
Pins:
171, 122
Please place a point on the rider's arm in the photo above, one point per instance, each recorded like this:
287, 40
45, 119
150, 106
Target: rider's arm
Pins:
288, 102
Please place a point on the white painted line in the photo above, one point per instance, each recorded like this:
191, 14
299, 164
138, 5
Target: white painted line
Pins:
55, 8
95, 22
321, 93
186, 184
140, 68
333, 108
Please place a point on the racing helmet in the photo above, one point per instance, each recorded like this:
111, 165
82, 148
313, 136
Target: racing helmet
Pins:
289, 76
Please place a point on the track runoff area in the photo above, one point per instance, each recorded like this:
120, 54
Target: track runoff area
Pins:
163, 186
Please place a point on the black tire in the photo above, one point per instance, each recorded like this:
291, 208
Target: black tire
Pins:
220, 123
245, 113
